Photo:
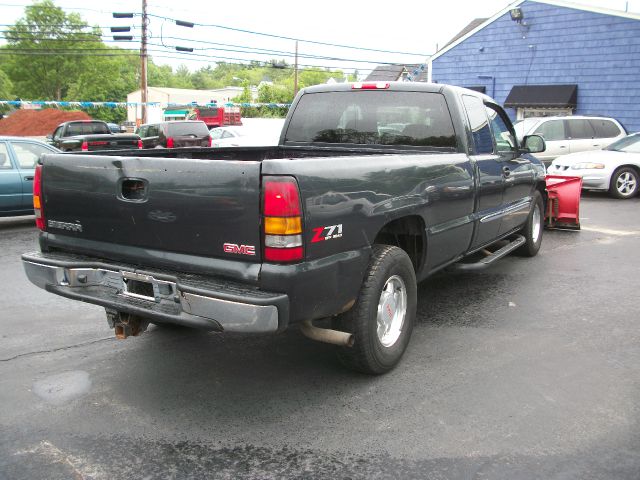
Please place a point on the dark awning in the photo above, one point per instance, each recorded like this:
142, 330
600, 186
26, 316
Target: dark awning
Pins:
478, 88
547, 96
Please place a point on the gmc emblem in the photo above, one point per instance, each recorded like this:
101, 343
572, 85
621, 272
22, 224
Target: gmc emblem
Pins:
239, 249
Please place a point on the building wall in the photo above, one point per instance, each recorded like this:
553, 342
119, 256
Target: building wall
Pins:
598, 52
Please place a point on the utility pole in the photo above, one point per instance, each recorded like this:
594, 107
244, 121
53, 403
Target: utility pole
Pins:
143, 62
295, 73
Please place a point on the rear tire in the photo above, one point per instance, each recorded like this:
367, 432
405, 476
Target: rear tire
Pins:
532, 230
384, 313
624, 183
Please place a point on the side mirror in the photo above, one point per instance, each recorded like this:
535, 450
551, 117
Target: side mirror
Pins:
534, 144
50, 138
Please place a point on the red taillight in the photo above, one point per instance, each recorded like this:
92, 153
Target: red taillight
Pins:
210, 140
139, 143
371, 86
282, 222
85, 146
170, 142
37, 198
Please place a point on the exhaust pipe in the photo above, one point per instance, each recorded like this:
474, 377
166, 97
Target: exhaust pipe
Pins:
326, 335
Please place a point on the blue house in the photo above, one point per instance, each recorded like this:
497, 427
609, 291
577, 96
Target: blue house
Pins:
550, 57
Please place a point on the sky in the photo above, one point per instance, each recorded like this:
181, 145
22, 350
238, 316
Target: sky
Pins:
404, 31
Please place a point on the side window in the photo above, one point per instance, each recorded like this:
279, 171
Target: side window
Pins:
505, 139
216, 133
580, 129
57, 133
5, 161
604, 128
227, 134
142, 131
28, 154
479, 123
552, 130
152, 131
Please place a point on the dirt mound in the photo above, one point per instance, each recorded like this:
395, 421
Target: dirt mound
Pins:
31, 123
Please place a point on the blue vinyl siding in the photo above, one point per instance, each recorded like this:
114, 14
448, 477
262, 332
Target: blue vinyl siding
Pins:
598, 52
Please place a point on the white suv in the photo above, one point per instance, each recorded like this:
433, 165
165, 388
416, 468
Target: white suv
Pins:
565, 135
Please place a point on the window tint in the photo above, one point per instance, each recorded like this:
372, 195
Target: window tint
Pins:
87, 128
57, 133
28, 153
5, 162
552, 130
142, 131
504, 138
373, 117
152, 131
580, 129
188, 128
480, 130
604, 128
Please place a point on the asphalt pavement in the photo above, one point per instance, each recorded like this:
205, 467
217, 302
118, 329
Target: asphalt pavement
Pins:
527, 370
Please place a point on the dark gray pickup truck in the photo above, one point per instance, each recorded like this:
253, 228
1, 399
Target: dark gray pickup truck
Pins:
90, 135
373, 187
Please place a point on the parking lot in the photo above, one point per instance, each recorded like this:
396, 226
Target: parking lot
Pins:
530, 369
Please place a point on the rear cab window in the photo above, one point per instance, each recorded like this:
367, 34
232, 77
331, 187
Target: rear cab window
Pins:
87, 128
393, 118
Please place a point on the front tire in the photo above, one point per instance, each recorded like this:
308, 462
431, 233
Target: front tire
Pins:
384, 313
532, 230
624, 183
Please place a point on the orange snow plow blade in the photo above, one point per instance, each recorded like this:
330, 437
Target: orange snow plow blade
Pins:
563, 204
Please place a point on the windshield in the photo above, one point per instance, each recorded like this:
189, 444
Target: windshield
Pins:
418, 119
630, 144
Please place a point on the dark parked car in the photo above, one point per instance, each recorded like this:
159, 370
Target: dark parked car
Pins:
115, 128
89, 135
175, 134
18, 158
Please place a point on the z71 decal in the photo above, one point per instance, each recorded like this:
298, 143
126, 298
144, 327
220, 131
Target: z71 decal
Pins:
326, 233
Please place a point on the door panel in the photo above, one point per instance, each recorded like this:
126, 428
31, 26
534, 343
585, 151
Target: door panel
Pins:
10, 182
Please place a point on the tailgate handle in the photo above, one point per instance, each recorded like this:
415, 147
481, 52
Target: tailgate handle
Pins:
133, 190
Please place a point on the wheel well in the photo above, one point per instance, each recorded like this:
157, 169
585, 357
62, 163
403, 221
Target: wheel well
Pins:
632, 167
407, 233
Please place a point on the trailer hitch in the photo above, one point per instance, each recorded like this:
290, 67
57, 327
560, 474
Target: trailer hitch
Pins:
126, 324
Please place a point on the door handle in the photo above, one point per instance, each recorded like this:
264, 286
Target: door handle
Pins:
29, 177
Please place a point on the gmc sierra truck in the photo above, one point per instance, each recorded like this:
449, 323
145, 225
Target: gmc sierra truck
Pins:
372, 188
90, 135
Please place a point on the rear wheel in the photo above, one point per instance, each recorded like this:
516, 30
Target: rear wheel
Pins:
532, 230
624, 183
383, 316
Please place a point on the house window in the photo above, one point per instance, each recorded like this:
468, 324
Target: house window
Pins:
526, 112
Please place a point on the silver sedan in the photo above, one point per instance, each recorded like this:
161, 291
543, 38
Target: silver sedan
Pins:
615, 169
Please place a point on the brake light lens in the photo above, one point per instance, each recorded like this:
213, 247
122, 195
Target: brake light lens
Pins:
282, 220
85, 146
170, 142
210, 140
140, 144
37, 198
370, 86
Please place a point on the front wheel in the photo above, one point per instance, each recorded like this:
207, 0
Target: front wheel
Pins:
624, 183
532, 230
384, 313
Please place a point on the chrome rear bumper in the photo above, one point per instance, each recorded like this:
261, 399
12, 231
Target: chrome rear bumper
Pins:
171, 297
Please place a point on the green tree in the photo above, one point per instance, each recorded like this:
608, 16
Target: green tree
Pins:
44, 46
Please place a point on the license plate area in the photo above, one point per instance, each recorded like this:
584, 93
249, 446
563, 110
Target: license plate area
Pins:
146, 287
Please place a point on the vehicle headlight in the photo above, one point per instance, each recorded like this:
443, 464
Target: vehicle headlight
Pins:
587, 165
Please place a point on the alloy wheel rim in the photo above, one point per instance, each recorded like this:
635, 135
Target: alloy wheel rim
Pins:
626, 183
392, 310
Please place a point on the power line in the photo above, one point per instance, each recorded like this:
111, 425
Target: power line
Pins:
294, 39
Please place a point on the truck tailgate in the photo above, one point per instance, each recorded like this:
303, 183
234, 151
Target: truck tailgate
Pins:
168, 204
